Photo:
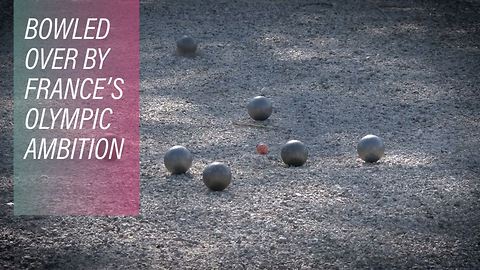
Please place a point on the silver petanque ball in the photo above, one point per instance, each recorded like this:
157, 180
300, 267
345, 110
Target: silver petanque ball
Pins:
371, 148
294, 153
217, 176
186, 45
178, 159
259, 108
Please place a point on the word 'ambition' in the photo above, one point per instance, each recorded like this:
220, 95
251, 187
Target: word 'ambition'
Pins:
77, 148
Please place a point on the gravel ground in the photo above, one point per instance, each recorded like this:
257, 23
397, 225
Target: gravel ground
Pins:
407, 71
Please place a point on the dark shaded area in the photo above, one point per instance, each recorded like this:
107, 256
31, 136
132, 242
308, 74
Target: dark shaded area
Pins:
6, 90
6, 23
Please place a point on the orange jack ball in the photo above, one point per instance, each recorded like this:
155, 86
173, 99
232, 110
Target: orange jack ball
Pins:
262, 149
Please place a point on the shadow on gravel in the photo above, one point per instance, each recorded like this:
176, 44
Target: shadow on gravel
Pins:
70, 255
6, 90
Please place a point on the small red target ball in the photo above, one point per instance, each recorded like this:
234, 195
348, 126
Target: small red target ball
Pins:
262, 149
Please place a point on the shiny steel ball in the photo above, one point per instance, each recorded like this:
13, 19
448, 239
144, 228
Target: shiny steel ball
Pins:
217, 176
178, 159
294, 153
371, 148
186, 45
259, 108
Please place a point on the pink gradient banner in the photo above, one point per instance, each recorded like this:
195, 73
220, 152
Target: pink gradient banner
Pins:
76, 107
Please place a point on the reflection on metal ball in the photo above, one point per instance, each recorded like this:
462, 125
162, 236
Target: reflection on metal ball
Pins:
217, 176
178, 159
259, 108
294, 153
186, 45
371, 148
